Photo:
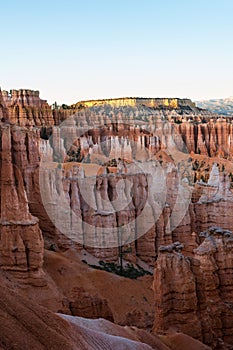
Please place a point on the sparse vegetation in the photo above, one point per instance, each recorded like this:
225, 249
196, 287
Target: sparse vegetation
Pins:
64, 106
203, 178
75, 156
129, 271
87, 159
53, 247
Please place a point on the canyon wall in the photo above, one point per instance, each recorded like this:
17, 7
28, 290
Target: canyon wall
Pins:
194, 295
3, 109
136, 101
121, 174
25, 108
202, 132
21, 242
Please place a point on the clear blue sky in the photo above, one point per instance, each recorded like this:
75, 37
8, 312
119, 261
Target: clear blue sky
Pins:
72, 50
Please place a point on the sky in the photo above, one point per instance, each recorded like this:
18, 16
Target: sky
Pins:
75, 50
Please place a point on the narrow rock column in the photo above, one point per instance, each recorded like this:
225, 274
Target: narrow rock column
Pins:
21, 241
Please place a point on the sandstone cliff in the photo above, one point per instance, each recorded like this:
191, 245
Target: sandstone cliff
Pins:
25, 108
3, 109
21, 243
173, 103
194, 295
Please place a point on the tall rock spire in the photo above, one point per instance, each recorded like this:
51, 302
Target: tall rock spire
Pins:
21, 241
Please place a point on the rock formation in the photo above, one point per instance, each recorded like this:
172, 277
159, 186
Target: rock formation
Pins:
194, 295
3, 109
85, 305
36, 327
216, 264
25, 108
21, 244
174, 103
124, 180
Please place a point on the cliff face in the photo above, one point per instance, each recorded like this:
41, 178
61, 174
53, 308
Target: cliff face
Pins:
21, 243
136, 101
216, 264
209, 139
201, 132
3, 109
209, 135
25, 108
176, 299
194, 295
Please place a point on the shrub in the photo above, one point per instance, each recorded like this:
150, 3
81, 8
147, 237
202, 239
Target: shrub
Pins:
129, 271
